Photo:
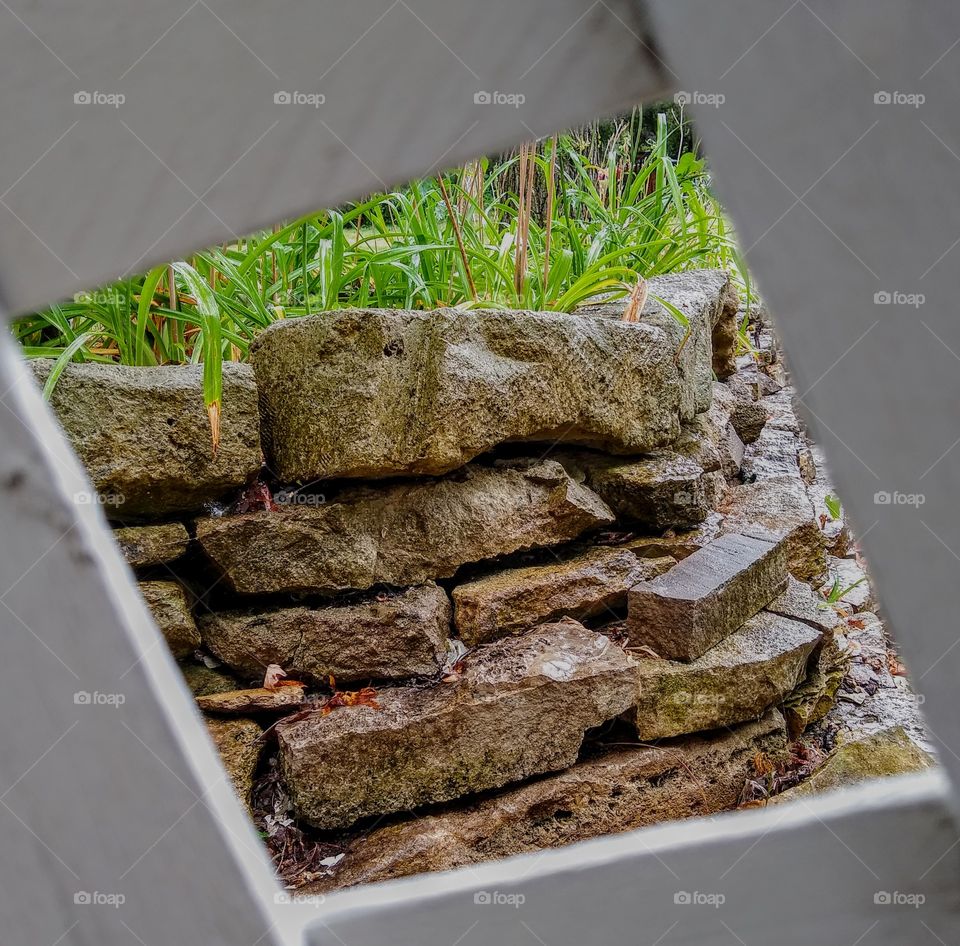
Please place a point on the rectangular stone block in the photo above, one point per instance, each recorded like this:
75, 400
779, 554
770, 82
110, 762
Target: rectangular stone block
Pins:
739, 679
622, 790
404, 533
518, 707
387, 637
593, 583
706, 597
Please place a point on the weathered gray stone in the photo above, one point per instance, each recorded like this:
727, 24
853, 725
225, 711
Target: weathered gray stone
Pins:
618, 791
739, 679
402, 534
709, 301
203, 680
143, 546
283, 699
384, 638
521, 706
696, 443
705, 597
239, 744
713, 426
748, 419
725, 330
167, 602
732, 452
662, 491
801, 603
778, 509
852, 583
888, 752
679, 544
775, 453
837, 536
873, 697
780, 411
714, 488
373, 393
816, 696
589, 584
144, 436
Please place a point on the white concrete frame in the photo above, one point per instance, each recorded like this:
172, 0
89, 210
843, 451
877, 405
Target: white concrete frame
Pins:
843, 185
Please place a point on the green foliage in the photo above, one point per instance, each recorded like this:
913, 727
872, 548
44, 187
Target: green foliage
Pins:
601, 212
833, 506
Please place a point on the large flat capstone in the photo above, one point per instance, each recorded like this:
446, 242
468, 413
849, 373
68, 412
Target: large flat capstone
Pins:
144, 436
706, 596
402, 534
383, 638
618, 791
521, 706
592, 583
739, 679
375, 393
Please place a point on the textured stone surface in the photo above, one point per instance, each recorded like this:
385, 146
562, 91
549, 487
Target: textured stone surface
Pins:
167, 602
372, 393
662, 491
590, 584
619, 791
679, 544
706, 596
885, 753
748, 419
403, 534
801, 603
144, 436
256, 700
853, 582
816, 696
775, 453
238, 742
872, 697
387, 637
143, 546
520, 707
724, 340
778, 509
740, 678
203, 680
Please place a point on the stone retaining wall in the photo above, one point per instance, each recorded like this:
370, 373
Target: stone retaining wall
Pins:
460, 544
